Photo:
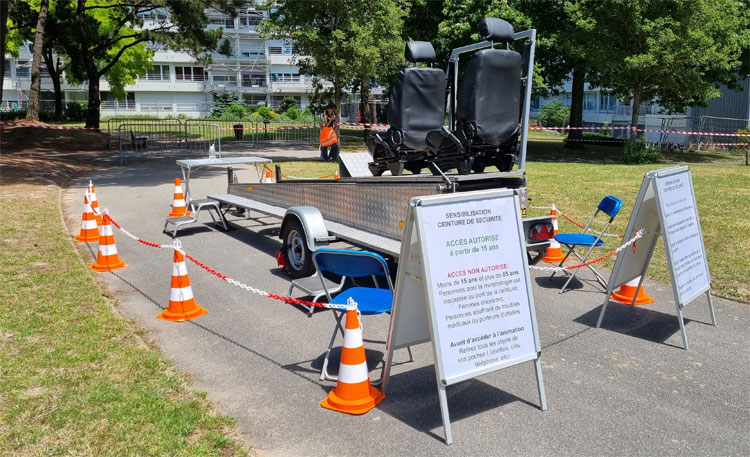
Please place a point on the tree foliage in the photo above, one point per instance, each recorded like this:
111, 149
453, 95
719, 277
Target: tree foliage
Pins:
460, 26
341, 41
675, 52
109, 38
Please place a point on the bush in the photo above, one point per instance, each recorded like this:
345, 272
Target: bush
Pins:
636, 151
266, 113
237, 111
554, 114
293, 113
287, 104
76, 111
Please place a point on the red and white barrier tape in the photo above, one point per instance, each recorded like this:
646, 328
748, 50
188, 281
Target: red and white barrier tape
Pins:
177, 245
50, 127
636, 129
637, 235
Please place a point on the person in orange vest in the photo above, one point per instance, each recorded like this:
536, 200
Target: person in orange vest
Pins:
328, 135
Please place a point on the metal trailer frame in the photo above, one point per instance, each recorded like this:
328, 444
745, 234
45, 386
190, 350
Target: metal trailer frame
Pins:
365, 211
530, 36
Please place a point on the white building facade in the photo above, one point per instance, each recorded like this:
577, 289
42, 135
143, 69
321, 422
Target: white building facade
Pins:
260, 72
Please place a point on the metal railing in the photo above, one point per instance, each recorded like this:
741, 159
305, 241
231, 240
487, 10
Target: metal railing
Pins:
153, 138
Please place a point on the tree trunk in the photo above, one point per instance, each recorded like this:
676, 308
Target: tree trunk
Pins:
54, 68
92, 117
32, 113
364, 100
576, 110
636, 105
3, 33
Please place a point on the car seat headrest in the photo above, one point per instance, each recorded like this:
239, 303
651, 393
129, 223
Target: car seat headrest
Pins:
497, 30
420, 51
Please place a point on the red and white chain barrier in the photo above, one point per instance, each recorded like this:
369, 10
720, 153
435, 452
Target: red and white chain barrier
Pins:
49, 127
632, 241
177, 245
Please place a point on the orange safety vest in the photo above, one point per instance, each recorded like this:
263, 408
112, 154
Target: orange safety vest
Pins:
327, 136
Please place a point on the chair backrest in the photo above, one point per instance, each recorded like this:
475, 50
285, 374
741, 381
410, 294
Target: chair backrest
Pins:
354, 264
610, 205
416, 105
488, 101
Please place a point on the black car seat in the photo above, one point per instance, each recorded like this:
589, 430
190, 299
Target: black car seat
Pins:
488, 101
415, 108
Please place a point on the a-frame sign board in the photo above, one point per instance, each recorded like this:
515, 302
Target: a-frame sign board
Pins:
666, 205
463, 283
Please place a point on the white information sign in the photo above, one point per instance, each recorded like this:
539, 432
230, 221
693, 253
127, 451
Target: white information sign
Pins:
480, 303
666, 205
463, 283
682, 236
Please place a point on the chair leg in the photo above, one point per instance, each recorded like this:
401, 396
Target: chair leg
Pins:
324, 371
570, 250
599, 278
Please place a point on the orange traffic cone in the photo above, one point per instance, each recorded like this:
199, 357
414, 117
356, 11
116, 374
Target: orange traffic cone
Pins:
554, 251
89, 231
95, 203
353, 393
178, 203
107, 258
182, 306
627, 291
268, 179
336, 175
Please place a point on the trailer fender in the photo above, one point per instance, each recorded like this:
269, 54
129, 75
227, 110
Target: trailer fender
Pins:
312, 222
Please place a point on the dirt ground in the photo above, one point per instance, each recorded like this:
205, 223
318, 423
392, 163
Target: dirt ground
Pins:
55, 155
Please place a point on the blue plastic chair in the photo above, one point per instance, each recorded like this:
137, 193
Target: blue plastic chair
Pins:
370, 300
610, 206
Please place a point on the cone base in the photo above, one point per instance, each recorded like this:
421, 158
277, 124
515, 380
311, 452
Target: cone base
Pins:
625, 296
168, 315
87, 238
179, 214
115, 266
355, 407
554, 258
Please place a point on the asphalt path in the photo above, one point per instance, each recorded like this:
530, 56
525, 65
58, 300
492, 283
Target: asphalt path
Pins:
625, 389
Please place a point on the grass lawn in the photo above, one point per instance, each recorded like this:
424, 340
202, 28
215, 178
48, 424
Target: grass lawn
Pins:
75, 378
577, 180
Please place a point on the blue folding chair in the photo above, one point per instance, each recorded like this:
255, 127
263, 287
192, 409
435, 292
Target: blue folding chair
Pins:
370, 300
610, 206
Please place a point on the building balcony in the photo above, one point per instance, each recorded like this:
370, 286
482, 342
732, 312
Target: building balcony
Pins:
291, 87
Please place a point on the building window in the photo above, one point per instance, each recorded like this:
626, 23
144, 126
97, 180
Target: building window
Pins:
225, 78
252, 99
7, 68
285, 77
253, 80
250, 21
110, 102
253, 53
279, 50
224, 22
158, 73
189, 74
589, 102
607, 102
535, 102
23, 69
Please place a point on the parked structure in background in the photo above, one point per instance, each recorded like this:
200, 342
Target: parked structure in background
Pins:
727, 114
260, 71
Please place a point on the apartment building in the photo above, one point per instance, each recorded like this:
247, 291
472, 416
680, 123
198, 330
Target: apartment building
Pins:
260, 71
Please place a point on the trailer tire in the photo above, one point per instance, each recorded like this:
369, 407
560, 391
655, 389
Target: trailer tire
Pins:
298, 257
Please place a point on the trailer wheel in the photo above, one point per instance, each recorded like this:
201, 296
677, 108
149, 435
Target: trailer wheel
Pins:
298, 256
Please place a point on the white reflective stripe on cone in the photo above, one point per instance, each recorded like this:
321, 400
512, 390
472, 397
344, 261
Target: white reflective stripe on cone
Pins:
90, 224
353, 374
180, 293
633, 282
179, 269
553, 243
178, 189
178, 203
107, 249
353, 339
105, 230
